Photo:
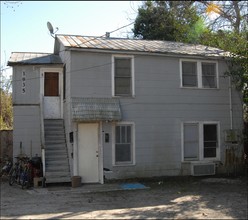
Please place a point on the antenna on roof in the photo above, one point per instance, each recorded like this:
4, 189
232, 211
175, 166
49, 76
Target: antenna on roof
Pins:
51, 30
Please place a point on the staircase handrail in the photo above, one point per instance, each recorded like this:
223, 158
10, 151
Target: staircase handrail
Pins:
42, 134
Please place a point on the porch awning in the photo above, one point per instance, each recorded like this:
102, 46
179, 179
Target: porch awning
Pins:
95, 109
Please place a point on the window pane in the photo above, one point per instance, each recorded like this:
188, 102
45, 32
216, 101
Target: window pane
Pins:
189, 73
209, 75
209, 152
123, 148
210, 132
51, 87
123, 134
209, 82
117, 134
128, 134
122, 86
123, 76
123, 153
210, 140
122, 67
189, 81
191, 141
208, 69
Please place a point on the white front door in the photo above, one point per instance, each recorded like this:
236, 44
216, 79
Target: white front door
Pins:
88, 155
52, 97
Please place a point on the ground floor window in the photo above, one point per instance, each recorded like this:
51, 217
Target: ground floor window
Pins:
200, 140
123, 144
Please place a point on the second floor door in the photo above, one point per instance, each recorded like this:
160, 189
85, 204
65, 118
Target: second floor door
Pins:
52, 95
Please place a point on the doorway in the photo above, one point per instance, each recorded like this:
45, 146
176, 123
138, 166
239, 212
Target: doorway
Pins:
52, 95
88, 152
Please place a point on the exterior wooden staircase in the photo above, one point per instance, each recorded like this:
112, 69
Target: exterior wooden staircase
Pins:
56, 156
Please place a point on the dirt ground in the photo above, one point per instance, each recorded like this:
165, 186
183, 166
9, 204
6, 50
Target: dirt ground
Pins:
167, 198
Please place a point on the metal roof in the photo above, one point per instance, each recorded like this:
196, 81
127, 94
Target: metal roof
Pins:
150, 46
95, 109
27, 58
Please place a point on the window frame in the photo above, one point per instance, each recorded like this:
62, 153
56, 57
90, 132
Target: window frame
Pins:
131, 57
199, 73
132, 162
201, 140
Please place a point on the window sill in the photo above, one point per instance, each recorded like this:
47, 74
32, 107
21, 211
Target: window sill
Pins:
199, 88
211, 160
123, 165
124, 97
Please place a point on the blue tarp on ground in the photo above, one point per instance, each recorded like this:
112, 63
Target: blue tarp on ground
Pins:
132, 186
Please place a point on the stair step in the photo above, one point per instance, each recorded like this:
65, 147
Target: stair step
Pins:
56, 155
57, 162
55, 135
59, 159
53, 126
54, 142
58, 179
53, 121
53, 147
57, 169
58, 174
54, 138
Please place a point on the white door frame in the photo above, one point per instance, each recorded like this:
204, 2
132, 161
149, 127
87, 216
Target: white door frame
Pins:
42, 81
100, 151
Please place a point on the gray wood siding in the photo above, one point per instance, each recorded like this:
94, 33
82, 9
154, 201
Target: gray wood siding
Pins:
32, 94
26, 130
90, 75
158, 109
65, 57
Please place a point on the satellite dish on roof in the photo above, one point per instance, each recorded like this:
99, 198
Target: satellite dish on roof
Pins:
50, 27
51, 30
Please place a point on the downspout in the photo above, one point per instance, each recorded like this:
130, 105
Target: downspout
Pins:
230, 103
75, 149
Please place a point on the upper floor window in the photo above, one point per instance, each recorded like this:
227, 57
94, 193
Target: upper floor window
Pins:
198, 74
122, 76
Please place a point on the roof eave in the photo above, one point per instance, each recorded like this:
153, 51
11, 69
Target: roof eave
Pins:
30, 64
169, 54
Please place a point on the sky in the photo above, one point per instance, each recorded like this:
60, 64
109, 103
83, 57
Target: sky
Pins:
24, 23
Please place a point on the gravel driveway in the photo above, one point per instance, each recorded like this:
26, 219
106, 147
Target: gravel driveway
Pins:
173, 198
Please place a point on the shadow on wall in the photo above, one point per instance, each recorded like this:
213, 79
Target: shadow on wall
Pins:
6, 145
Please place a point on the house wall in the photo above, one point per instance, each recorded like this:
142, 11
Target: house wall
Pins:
158, 109
66, 59
26, 109
32, 85
26, 131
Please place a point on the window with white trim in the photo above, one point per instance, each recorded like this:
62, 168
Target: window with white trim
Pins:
123, 76
199, 74
124, 144
200, 141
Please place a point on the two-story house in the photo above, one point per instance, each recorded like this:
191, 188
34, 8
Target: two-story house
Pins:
123, 108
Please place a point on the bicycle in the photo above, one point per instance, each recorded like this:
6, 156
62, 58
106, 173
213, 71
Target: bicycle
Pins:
6, 168
26, 175
21, 172
15, 172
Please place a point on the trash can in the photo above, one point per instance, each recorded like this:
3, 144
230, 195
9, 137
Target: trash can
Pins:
76, 181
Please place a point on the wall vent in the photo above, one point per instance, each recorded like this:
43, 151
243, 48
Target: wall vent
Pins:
202, 169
